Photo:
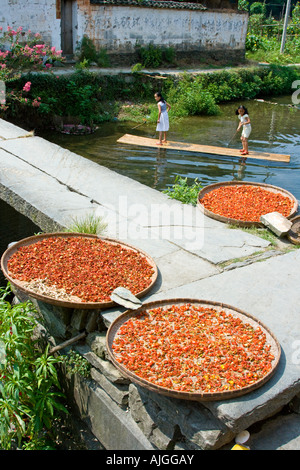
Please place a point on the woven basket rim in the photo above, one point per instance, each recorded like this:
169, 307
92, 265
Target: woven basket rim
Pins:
241, 223
66, 303
194, 396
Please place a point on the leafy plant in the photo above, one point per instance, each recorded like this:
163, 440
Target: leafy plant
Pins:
29, 388
181, 191
76, 364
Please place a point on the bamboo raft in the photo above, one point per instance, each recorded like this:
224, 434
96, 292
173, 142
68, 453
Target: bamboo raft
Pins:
198, 148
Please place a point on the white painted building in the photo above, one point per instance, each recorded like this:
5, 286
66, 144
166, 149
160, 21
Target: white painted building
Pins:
119, 25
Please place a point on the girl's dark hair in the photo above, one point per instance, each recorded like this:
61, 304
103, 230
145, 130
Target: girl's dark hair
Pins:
241, 107
158, 93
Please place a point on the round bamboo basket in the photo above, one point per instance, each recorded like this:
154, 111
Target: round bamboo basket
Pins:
240, 223
194, 396
62, 302
294, 233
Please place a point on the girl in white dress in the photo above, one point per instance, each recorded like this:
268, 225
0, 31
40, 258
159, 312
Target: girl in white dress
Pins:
163, 117
245, 122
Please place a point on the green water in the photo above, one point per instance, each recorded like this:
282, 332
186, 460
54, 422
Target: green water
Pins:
275, 128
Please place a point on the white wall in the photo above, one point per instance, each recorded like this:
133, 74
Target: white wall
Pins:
37, 15
119, 28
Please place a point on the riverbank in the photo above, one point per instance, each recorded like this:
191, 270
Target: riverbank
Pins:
91, 96
197, 257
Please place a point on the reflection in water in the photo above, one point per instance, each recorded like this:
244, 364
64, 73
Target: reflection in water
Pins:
160, 168
276, 128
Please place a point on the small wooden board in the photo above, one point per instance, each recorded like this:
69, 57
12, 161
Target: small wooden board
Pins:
197, 148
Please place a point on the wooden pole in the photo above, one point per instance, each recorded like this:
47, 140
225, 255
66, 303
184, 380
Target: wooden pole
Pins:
67, 343
286, 19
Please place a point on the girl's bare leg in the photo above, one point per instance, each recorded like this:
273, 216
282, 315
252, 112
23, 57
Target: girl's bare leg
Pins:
165, 137
160, 138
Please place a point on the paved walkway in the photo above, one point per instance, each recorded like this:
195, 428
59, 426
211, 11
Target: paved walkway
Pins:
51, 185
70, 68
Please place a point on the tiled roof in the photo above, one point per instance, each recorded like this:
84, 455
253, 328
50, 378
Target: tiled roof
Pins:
152, 4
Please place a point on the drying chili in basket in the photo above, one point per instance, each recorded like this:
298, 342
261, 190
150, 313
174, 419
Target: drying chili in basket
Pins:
246, 203
193, 349
87, 268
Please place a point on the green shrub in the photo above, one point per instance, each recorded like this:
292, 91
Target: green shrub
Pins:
29, 385
154, 56
151, 56
190, 98
169, 55
258, 8
136, 68
253, 42
88, 53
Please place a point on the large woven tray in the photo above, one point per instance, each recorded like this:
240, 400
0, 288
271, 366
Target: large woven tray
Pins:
201, 396
227, 220
294, 233
66, 303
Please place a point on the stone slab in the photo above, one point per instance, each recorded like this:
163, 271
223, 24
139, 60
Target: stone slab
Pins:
276, 222
180, 268
10, 131
40, 191
278, 433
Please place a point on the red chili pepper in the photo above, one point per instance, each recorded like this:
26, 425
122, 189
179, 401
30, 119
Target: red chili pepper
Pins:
193, 349
87, 268
246, 203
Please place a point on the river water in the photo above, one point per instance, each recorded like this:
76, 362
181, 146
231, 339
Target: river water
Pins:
275, 128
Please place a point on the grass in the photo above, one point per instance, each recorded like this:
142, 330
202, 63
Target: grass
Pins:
89, 223
137, 112
264, 233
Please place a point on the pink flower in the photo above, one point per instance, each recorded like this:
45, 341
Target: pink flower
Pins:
27, 86
48, 66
